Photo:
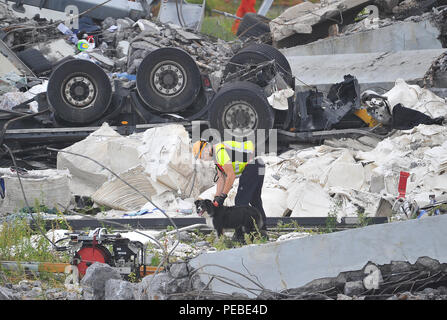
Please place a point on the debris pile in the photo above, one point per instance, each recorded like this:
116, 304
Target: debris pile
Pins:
158, 162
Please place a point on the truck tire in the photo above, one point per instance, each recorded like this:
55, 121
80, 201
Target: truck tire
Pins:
253, 25
257, 53
35, 60
242, 107
79, 91
168, 80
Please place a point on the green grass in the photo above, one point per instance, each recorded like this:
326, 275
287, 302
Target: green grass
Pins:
19, 242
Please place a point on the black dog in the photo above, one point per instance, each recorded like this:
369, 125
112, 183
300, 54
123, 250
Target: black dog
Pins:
241, 219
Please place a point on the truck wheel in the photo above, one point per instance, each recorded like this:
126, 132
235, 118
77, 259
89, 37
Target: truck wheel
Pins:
168, 80
79, 91
253, 25
257, 53
242, 108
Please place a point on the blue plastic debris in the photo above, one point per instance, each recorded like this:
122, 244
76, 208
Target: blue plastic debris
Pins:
125, 75
141, 212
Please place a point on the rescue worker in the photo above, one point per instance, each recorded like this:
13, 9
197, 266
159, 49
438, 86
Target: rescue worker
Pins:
233, 160
246, 6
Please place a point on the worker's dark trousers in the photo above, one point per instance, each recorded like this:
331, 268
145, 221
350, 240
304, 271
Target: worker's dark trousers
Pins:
250, 186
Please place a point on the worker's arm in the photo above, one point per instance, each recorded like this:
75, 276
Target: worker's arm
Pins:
220, 183
231, 176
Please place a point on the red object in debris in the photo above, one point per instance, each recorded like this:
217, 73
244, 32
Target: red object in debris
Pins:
245, 7
402, 188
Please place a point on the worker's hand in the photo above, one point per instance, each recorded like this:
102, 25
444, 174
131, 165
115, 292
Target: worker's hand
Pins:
219, 200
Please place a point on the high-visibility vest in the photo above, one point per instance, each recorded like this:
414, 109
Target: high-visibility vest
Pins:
238, 153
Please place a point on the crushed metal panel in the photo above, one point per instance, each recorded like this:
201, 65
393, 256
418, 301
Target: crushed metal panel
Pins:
182, 13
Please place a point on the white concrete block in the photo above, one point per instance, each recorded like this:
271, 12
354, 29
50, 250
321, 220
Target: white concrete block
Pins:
44, 187
87, 176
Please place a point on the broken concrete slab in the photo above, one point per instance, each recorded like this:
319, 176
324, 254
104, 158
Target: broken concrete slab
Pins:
275, 265
378, 69
399, 36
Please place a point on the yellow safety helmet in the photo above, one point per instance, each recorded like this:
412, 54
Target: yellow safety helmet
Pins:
198, 147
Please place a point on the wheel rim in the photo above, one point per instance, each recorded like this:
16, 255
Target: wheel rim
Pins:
240, 117
168, 78
79, 91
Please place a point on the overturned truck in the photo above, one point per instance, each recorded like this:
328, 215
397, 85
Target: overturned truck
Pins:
256, 91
